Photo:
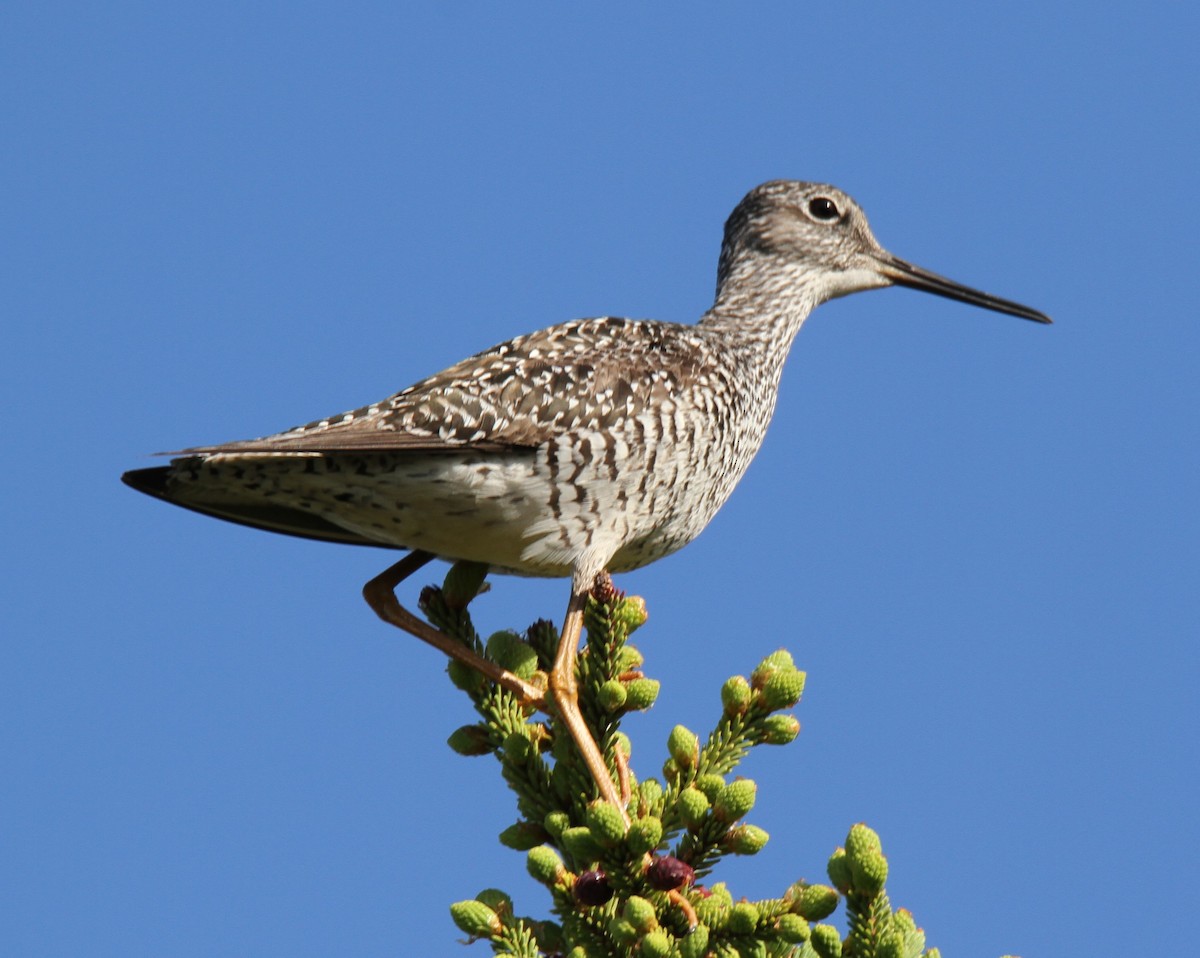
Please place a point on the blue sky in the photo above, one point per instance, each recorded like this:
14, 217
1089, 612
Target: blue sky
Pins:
979, 536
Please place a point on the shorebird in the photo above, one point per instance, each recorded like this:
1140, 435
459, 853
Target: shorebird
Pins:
594, 446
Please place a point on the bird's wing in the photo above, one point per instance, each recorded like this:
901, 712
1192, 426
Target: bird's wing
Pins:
516, 395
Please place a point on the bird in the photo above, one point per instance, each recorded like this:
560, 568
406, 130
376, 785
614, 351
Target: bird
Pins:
591, 447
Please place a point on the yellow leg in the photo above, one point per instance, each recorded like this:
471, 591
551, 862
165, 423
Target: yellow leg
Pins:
564, 691
380, 594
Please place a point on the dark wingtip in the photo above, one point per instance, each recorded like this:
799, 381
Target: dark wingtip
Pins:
152, 481
279, 519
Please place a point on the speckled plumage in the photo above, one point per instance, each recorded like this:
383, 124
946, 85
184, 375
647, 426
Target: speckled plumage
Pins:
598, 445
610, 435
595, 444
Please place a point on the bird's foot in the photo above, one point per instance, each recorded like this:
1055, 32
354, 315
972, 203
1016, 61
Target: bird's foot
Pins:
380, 594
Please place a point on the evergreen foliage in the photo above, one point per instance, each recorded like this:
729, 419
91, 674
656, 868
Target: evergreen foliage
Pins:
642, 889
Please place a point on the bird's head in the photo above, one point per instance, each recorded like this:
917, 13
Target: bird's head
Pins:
813, 235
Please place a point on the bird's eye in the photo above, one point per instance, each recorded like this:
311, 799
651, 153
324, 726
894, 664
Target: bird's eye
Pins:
824, 209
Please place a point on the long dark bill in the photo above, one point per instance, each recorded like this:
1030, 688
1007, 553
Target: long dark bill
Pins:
903, 273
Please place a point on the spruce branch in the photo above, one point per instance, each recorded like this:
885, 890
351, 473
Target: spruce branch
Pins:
624, 889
